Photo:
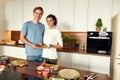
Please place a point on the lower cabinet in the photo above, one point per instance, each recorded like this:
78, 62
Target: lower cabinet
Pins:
65, 59
80, 61
1, 50
100, 64
14, 52
94, 63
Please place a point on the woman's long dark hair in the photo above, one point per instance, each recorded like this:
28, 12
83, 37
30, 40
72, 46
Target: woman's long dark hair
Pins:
53, 17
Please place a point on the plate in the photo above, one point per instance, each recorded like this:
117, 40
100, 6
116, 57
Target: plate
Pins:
41, 46
2, 67
69, 73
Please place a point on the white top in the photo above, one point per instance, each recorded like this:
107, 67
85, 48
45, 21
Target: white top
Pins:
51, 36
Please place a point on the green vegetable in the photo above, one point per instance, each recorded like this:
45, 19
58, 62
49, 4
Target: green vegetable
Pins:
99, 23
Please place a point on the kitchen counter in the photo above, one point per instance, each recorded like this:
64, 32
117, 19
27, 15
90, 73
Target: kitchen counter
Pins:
18, 45
62, 50
31, 70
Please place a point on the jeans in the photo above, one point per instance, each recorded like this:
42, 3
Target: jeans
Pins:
37, 59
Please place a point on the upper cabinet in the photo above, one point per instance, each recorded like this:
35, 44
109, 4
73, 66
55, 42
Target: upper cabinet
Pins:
13, 14
2, 25
17, 14
66, 15
99, 9
9, 14
81, 15
49, 7
72, 15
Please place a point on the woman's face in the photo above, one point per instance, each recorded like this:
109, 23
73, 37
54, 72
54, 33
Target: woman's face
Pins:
50, 22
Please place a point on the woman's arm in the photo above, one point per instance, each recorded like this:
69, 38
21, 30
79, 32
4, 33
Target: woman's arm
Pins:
55, 46
59, 41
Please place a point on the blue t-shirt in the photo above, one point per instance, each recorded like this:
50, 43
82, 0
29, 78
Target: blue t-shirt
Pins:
34, 34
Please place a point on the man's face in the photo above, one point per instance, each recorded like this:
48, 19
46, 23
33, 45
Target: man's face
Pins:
37, 14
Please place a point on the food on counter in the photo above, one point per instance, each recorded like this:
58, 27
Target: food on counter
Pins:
19, 63
4, 59
40, 69
46, 72
46, 67
69, 73
2, 67
41, 45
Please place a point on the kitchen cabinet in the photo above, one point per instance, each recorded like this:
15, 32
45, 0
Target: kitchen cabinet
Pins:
89, 62
100, 64
2, 15
80, 61
9, 14
28, 7
49, 7
81, 15
14, 52
116, 70
17, 14
13, 14
99, 9
66, 15
1, 50
65, 59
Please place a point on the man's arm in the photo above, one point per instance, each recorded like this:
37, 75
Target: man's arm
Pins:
22, 38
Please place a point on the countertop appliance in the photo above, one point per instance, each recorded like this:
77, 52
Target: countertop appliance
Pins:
115, 57
99, 42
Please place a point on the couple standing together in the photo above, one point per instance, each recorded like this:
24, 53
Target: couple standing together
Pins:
34, 32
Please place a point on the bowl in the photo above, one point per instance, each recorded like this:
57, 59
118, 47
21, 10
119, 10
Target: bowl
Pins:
40, 69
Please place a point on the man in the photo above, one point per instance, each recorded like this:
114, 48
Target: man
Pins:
31, 34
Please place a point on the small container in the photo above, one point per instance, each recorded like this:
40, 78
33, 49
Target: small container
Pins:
46, 73
40, 69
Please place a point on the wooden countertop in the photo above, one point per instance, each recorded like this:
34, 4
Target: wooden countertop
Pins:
63, 50
31, 70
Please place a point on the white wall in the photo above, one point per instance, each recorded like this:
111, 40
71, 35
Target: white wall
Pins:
116, 7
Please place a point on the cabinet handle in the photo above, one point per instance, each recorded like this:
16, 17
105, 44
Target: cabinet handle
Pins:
118, 63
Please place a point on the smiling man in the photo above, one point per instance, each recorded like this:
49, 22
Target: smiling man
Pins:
31, 34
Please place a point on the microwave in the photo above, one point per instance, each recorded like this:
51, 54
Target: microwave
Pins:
99, 42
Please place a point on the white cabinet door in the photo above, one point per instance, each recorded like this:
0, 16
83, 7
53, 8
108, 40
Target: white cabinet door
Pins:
66, 15
1, 50
116, 70
17, 14
2, 15
65, 59
9, 14
28, 6
100, 64
49, 7
81, 15
99, 9
14, 52
80, 61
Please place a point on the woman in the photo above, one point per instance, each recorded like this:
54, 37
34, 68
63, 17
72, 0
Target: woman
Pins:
52, 38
